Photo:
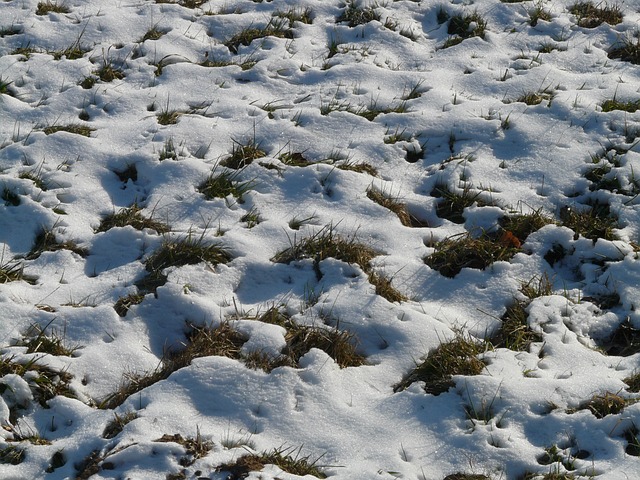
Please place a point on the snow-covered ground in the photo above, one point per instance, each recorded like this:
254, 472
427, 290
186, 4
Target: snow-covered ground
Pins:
323, 116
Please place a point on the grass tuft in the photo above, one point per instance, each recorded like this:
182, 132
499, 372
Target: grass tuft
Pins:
243, 155
355, 14
195, 447
46, 242
44, 382
12, 455
633, 441
613, 104
591, 16
602, 405
277, 27
514, 332
535, 98
212, 62
131, 216
463, 251
335, 343
462, 27
358, 167
186, 251
185, 3
339, 345
48, 6
466, 476
6, 88
154, 33
633, 382
11, 271
458, 356
115, 426
202, 341
627, 51
594, 223
327, 244
324, 244
397, 207
37, 341
10, 197
294, 159
296, 14
538, 13
223, 184
624, 342
287, 459
523, 225
453, 204
36, 177
75, 128
123, 304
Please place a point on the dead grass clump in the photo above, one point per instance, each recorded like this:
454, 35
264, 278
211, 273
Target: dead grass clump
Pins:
186, 251
385, 289
294, 159
463, 251
296, 14
462, 27
458, 356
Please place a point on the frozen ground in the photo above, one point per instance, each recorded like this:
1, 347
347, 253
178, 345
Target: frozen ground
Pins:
201, 331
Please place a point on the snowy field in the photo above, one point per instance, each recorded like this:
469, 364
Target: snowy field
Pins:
285, 239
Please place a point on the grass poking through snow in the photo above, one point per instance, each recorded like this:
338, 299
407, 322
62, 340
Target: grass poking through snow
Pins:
458, 356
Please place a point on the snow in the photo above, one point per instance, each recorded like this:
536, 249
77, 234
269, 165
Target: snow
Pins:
476, 136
